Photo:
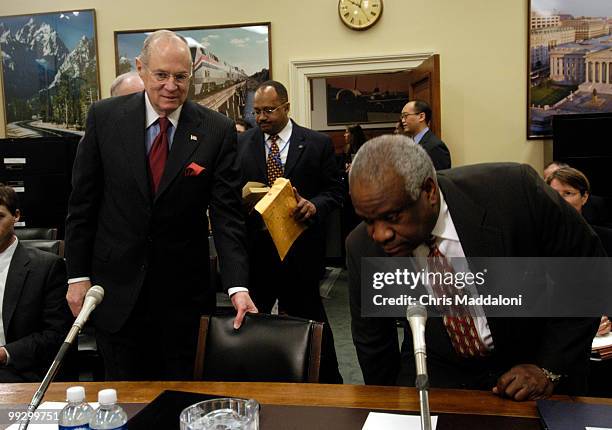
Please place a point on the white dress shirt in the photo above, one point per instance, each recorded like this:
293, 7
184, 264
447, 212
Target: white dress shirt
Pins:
283, 142
449, 245
6, 257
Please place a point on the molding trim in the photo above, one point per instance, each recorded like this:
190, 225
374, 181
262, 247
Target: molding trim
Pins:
300, 71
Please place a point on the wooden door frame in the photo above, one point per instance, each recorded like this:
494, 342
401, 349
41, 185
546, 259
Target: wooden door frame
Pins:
300, 71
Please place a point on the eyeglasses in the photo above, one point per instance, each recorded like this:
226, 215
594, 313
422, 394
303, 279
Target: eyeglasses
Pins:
267, 111
162, 77
404, 115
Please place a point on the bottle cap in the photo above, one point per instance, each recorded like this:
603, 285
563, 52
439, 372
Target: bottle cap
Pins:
75, 394
107, 397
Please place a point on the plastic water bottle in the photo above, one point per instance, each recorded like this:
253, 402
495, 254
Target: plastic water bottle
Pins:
77, 413
109, 415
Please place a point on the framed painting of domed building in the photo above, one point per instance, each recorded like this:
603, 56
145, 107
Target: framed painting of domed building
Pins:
49, 72
569, 61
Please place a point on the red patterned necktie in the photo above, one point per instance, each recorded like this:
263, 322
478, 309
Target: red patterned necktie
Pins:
159, 153
457, 319
274, 165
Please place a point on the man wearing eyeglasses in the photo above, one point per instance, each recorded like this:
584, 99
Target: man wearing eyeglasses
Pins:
280, 147
148, 168
416, 117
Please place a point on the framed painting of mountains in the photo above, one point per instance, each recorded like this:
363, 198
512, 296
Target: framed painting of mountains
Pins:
49, 72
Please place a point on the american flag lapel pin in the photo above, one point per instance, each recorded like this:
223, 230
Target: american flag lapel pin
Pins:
193, 137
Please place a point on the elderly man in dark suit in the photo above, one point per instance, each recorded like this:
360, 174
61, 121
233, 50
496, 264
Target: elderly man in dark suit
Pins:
496, 210
280, 147
146, 171
415, 118
34, 316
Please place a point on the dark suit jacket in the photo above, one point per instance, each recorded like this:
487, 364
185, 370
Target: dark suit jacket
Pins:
437, 150
605, 235
312, 170
118, 233
498, 210
35, 314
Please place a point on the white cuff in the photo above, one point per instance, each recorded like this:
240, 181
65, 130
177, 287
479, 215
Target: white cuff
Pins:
234, 290
74, 280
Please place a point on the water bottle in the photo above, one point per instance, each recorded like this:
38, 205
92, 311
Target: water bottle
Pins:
109, 415
77, 413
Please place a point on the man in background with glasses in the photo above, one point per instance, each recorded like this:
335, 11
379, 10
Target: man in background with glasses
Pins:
148, 168
279, 147
416, 117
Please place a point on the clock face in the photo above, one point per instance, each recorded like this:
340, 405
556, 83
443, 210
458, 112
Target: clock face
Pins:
360, 14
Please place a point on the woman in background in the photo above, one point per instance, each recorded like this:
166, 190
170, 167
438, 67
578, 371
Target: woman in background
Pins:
354, 137
575, 189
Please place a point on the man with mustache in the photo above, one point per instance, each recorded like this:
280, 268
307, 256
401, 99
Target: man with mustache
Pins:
496, 210
280, 147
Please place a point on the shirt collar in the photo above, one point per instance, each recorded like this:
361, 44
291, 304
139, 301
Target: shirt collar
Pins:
152, 115
444, 228
284, 134
7, 255
417, 137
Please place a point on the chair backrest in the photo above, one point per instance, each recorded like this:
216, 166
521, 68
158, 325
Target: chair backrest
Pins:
38, 233
266, 348
52, 246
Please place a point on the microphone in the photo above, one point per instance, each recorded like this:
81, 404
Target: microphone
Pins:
92, 299
417, 318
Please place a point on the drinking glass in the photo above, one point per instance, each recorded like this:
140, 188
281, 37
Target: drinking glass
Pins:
221, 414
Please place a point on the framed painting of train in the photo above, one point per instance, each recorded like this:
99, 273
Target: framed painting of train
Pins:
229, 61
49, 72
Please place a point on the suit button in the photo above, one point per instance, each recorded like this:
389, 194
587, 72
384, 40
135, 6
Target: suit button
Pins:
143, 267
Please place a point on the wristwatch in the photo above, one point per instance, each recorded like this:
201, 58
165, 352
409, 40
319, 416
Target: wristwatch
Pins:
552, 377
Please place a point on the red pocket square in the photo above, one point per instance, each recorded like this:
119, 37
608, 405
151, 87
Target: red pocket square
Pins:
194, 169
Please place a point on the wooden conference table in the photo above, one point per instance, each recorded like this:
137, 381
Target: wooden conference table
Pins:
453, 403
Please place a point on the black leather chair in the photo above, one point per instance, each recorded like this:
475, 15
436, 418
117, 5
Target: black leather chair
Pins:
38, 233
266, 348
53, 246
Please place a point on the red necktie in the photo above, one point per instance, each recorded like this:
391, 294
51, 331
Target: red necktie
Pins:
457, 319
159, 153
274, 165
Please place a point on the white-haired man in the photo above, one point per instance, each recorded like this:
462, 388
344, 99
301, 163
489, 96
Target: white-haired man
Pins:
148, 168
488, 210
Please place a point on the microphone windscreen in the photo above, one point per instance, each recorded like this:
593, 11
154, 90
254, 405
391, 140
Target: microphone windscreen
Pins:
96, 292
416, 311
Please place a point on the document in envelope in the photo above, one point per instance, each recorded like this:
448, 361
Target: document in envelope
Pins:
276, 209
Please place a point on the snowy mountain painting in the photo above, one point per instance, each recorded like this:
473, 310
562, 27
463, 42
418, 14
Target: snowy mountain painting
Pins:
50, 72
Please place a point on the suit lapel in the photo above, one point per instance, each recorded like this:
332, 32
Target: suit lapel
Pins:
296, 149
132, 126
477, 239
187, 139
257, 150
17, 274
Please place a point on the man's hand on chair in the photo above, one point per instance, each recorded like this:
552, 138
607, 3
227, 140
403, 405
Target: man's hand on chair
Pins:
242, 303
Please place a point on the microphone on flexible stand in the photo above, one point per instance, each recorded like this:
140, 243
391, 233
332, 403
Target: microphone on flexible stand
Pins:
417, 317
92, 299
